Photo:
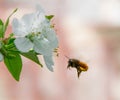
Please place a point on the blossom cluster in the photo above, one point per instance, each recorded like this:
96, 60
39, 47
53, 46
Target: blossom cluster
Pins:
32, 35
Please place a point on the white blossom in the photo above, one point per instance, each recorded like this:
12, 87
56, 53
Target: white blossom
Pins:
34, 31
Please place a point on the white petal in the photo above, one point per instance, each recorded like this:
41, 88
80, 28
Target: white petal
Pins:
19, 28
1, 57
23, 44
38, 22
42, 46
51, 36
49, 62
39, 8
28, 21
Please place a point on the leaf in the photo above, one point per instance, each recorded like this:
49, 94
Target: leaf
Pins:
7, 21
14, 65
1, 28
1, 56
1, 22
32, 56
10, 41
49, 17
9, 45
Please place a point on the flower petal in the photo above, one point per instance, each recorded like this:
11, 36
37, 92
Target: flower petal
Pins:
38, 22
19, 28
28, 21
41, 46
39, 8
49, 61
50, 34
23, 44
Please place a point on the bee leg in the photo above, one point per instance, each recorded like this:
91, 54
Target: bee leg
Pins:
78, 72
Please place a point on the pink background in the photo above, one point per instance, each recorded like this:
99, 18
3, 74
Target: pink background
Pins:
88, 30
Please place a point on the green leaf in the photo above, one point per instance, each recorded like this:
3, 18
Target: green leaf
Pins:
14, 65
49, 17
1, 22
1, 57
1, 28
32, 56
7, 21
10, 39
1, 31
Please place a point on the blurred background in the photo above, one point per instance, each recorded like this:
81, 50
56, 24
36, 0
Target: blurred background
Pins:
88, 30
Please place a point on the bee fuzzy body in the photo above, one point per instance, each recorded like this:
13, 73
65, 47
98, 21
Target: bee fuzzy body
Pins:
80, 66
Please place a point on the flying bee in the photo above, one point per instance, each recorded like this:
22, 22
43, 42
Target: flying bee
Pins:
80, 66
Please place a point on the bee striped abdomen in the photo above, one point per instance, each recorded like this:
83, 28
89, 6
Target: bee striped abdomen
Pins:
83, 66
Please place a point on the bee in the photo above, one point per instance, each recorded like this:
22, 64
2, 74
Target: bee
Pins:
80, 66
